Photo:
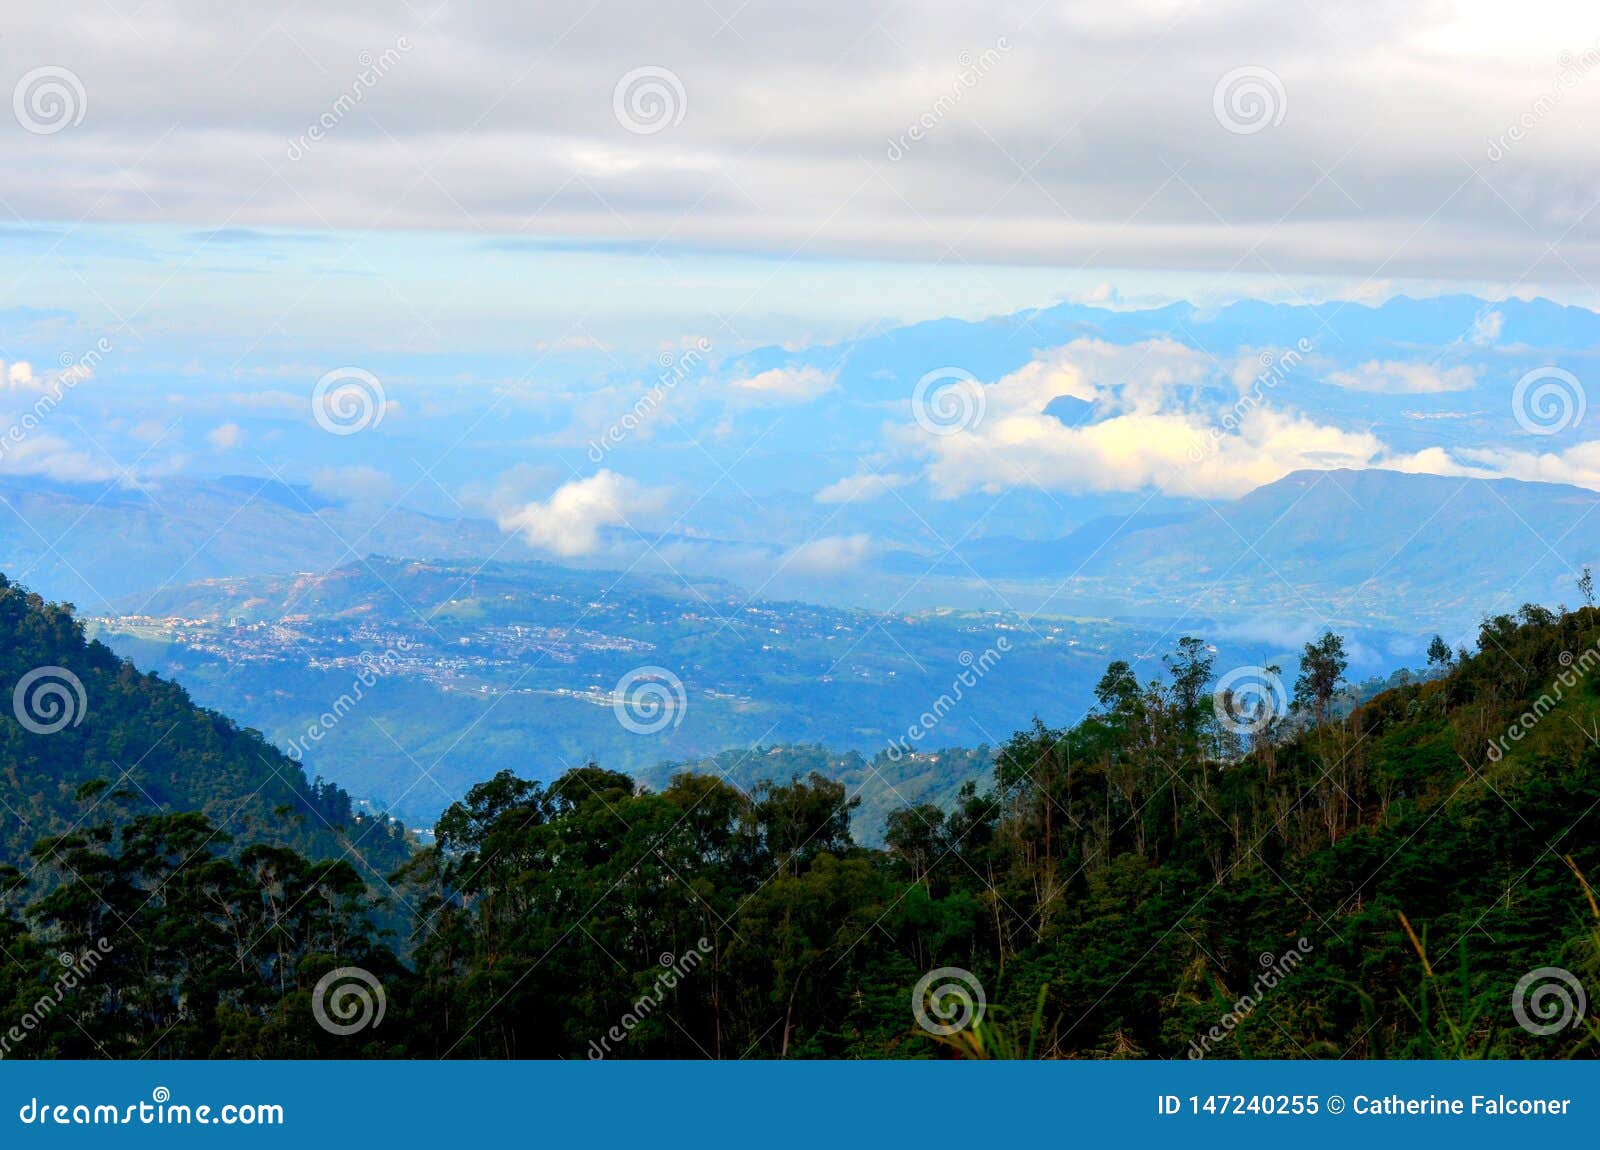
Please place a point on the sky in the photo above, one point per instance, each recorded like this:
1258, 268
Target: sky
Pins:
819, 164
514, 213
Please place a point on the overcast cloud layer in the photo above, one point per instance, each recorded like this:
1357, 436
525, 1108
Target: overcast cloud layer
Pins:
1428, 139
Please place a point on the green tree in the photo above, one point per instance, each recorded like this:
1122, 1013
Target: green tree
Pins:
1439, 653
1322, 667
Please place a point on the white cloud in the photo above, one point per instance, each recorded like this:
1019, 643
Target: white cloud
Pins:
510, 490
863, 487
1103, 294
570, 343
20, 374
828, 555
151, 432
225, 437
786, 384
1250, 365
1302, 193
1155, 436
569, 522
1578, 465
1394, 377
1370, 291
51, 457
223, 402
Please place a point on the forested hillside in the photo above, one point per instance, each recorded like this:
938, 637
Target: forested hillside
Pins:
85, 735
1183, 873
883, 784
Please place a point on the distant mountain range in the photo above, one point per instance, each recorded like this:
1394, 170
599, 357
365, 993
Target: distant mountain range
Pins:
1372, 548
754, 454
1409, 551
529, 657
96, 543
1499, 340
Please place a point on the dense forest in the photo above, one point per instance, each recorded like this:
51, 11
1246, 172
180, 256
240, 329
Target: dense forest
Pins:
1182, 873
99, 731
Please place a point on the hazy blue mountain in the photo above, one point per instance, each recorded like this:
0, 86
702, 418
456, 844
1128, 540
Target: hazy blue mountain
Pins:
735, 457
1380, 547
94, 543
882, 368
1398, 552
746, 484
1377, 545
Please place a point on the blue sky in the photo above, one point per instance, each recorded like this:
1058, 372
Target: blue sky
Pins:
239, 299
509, 216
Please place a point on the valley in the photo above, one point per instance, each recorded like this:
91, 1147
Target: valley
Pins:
528, 658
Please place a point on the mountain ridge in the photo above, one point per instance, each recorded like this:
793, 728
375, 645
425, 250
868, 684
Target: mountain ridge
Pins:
87, 731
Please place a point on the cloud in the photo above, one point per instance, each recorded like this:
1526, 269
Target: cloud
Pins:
19, 374
786, 384
151, 432
510, 489
570, 343
1300, 193
1250, 365
51, 457
1578, 465
1393, 377
354, 484
1103, 294
272, 402
569, 522
862, 488
828, 555
1157, 435
225, 437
